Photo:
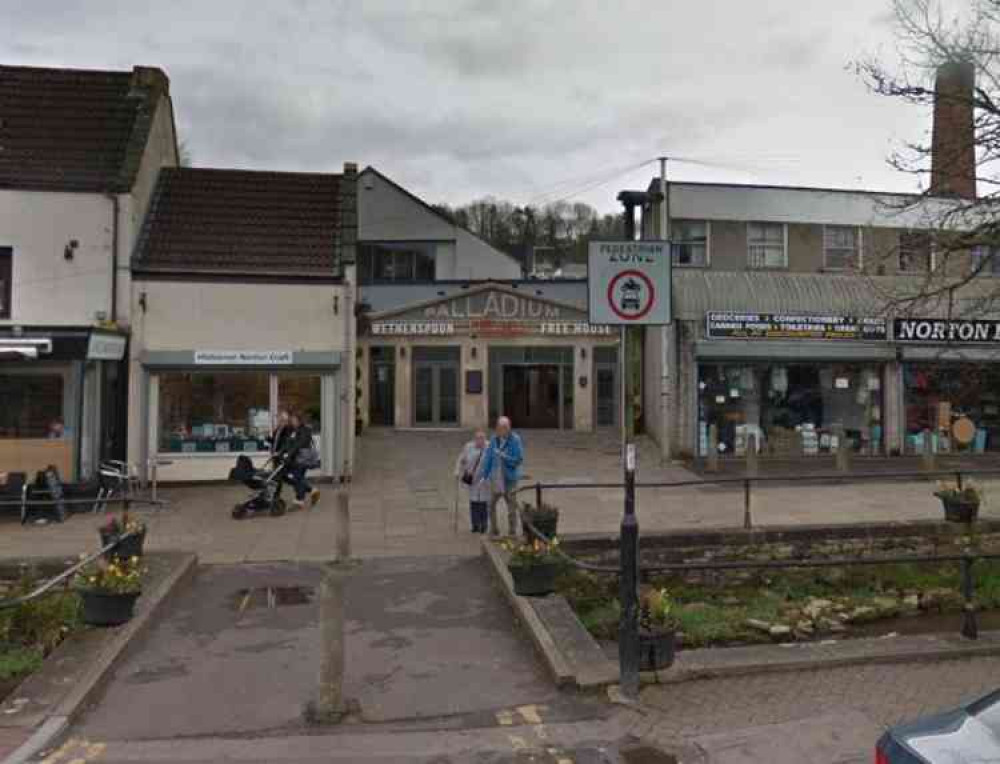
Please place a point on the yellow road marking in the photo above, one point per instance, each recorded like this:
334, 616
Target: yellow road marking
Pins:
517, 743
530, 714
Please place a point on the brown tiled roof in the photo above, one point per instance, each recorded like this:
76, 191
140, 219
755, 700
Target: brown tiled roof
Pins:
246, 222
75, 130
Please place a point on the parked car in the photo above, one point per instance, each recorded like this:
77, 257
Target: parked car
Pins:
969, 734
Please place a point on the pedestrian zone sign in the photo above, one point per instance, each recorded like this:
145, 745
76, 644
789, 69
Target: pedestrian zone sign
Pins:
629, 282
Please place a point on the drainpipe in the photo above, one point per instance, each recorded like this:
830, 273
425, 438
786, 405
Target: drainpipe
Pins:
113, 313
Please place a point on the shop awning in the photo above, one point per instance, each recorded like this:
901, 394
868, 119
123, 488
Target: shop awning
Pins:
697, 292
24, 349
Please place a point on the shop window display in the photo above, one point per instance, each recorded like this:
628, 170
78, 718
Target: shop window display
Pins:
214, 412
939, 396
32, 406
302, 393
792, 409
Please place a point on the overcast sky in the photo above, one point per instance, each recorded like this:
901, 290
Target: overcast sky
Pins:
461, 99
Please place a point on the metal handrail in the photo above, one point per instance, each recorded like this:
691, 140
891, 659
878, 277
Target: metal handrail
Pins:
70, 571
127, 501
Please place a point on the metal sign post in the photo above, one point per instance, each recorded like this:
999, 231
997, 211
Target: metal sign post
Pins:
628, 627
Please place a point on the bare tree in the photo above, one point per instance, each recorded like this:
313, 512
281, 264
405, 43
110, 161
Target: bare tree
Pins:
947, 63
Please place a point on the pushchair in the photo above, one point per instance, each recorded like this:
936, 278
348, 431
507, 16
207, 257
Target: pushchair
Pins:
265, 483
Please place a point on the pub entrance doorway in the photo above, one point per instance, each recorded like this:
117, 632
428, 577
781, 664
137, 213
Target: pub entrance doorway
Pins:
531, 395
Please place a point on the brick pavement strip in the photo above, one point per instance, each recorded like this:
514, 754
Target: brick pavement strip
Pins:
885, 695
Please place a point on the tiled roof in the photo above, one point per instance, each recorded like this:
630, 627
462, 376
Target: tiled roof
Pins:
75, 130
246, 222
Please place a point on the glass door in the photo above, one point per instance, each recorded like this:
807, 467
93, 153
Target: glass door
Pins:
436, 395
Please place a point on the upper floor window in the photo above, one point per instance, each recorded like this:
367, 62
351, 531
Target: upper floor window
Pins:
986, 260
916, 254
767, 245
6, 280
841, 247
689, 242
390, 261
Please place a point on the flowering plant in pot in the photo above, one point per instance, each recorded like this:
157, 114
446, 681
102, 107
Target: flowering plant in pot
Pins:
132, 533
544, 518
109, 589
533, 566
961, 503
657, 630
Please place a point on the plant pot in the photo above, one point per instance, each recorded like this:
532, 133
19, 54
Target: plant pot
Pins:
960, 511
656, 649
534, 580
107, 608
546, 524
130, 547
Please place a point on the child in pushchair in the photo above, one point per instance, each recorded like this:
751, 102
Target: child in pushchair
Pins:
265, 483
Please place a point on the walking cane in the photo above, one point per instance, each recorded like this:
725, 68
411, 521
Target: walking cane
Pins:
458, 490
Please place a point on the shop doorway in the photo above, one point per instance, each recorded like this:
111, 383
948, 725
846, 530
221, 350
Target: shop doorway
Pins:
382, 387
435, 387
531, 395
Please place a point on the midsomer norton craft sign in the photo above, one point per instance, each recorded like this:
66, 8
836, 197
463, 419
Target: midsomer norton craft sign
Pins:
793, 327
945, 330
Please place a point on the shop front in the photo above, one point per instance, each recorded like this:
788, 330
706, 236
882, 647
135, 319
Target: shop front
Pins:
800, 385
63, 393
205, 407
463, 361
950, 385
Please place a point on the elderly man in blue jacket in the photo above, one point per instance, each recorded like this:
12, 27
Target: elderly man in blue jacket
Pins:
502, 467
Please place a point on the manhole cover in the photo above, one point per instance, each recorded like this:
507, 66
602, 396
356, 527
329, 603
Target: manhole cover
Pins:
271, 597
646, 755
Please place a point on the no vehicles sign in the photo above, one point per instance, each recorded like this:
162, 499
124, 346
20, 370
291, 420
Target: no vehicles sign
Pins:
629, 282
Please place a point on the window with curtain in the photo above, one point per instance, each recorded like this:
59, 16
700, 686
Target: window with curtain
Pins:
766, 245
6, 281
915, 252
986, 260
689, 242
841, 247
388, 262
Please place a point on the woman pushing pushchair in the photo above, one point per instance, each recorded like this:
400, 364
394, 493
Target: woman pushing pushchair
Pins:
299, 455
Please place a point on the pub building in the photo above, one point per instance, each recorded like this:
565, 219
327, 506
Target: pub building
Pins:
478, 351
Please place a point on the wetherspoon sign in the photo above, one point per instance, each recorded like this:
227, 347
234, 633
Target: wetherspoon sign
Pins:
757, 326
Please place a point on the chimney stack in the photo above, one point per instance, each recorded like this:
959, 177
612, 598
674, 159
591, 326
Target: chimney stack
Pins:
953, 143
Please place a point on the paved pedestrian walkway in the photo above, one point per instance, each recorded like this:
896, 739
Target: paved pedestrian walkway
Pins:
406, 501
239, 651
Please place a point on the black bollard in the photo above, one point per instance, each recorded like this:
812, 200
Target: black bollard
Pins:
970, 627
628, 627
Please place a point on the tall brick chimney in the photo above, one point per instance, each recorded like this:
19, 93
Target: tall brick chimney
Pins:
953, 144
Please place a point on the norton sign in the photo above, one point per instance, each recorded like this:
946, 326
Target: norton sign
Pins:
935, 330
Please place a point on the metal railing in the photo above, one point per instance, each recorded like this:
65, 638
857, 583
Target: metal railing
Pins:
747, 482
72, 570
630, 571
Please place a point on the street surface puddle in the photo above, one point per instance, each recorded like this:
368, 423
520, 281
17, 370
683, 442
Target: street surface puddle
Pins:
271, 597
646, 755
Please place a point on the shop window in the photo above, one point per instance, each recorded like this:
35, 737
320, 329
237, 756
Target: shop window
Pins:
986, 261
32, 406
302, 393
841, 247
915, 252
389, 262
791, 409
766, 245
214, 412
6, 281
937, 396
689, 242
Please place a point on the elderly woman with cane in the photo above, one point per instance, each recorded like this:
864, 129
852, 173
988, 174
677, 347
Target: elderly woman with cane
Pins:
502, 469
468, 470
